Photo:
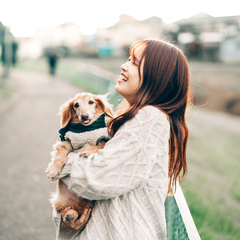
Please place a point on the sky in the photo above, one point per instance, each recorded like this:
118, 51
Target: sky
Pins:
24, 17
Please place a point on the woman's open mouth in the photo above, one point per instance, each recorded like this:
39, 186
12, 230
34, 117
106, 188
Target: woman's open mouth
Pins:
122, 78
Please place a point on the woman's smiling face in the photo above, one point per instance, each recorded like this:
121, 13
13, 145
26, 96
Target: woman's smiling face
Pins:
129, 80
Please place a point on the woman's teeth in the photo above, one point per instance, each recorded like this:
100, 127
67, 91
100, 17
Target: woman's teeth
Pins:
123, 78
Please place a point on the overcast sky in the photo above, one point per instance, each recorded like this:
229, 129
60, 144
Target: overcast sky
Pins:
24, 17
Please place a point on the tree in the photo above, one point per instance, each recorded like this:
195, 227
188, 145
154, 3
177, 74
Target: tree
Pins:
9, 48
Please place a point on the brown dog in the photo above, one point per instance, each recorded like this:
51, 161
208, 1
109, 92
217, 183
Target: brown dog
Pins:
84, 108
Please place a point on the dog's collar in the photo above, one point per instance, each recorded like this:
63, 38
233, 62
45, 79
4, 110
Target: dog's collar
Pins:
80, 128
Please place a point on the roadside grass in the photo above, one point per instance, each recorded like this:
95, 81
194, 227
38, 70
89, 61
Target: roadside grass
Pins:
211, 188
6, 90
38, 65
212, 185
7, 87
210, 224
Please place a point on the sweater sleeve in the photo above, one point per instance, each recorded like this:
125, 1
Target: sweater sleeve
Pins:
125, 161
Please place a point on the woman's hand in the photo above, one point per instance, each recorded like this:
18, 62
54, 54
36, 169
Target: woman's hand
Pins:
80, 223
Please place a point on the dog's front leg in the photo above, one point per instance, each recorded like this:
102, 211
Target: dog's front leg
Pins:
93, 149
59, 158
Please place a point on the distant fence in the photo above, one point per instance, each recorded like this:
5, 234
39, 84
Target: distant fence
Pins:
180, 225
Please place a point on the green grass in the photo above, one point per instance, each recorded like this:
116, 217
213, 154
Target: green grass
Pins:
6, 90
7, 87
212, 186
211, 224
37, 65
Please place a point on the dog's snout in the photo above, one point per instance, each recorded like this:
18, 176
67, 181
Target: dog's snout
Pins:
67, 218
84, 117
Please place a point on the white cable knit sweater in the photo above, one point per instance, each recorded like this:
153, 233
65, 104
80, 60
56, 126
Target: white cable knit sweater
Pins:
129, 180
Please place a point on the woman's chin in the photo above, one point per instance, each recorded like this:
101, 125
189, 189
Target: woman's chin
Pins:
122, 91
118, 89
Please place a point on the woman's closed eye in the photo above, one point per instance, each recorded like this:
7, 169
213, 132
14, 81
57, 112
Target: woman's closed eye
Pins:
130, 60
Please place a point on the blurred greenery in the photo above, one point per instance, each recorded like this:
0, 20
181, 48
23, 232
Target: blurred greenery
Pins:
6, 90
212, 185
39, 65
14, 46
6, 87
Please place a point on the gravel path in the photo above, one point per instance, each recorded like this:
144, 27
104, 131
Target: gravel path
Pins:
28, 126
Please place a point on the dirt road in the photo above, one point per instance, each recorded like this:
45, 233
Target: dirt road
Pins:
28, 127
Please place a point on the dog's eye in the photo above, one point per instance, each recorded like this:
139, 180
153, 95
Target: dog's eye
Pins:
91, 102
76, 105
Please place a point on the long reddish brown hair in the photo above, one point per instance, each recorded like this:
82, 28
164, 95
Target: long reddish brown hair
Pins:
165, 85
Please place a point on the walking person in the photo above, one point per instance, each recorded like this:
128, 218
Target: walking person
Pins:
139, 166
52, 62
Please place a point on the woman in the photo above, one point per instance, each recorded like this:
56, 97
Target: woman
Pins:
131, 177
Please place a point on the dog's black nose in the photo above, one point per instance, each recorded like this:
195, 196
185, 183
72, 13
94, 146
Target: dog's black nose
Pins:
67, 218
84, 117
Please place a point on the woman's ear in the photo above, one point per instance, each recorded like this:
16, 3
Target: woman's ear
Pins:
66, 112
104, 104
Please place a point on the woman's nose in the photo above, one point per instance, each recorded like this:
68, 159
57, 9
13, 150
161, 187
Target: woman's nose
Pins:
124, 66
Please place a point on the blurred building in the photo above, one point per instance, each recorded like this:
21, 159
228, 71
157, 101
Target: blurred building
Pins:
29, 48
230, 48
66, 37
202, 37
116, 39
205, 37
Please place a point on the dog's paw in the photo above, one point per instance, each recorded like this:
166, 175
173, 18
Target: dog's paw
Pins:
87, 151
52, 172
70, 215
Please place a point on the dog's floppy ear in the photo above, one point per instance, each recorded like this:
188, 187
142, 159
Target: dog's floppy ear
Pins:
104, 104
66, 112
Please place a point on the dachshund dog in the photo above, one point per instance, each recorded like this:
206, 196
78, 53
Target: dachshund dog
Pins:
84, 109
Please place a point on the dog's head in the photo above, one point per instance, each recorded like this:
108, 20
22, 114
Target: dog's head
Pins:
85, 108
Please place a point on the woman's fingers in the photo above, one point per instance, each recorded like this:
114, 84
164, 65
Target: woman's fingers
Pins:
87, 215
80, 223
84, 216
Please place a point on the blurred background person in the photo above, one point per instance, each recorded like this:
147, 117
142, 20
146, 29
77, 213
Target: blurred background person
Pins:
52, 58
